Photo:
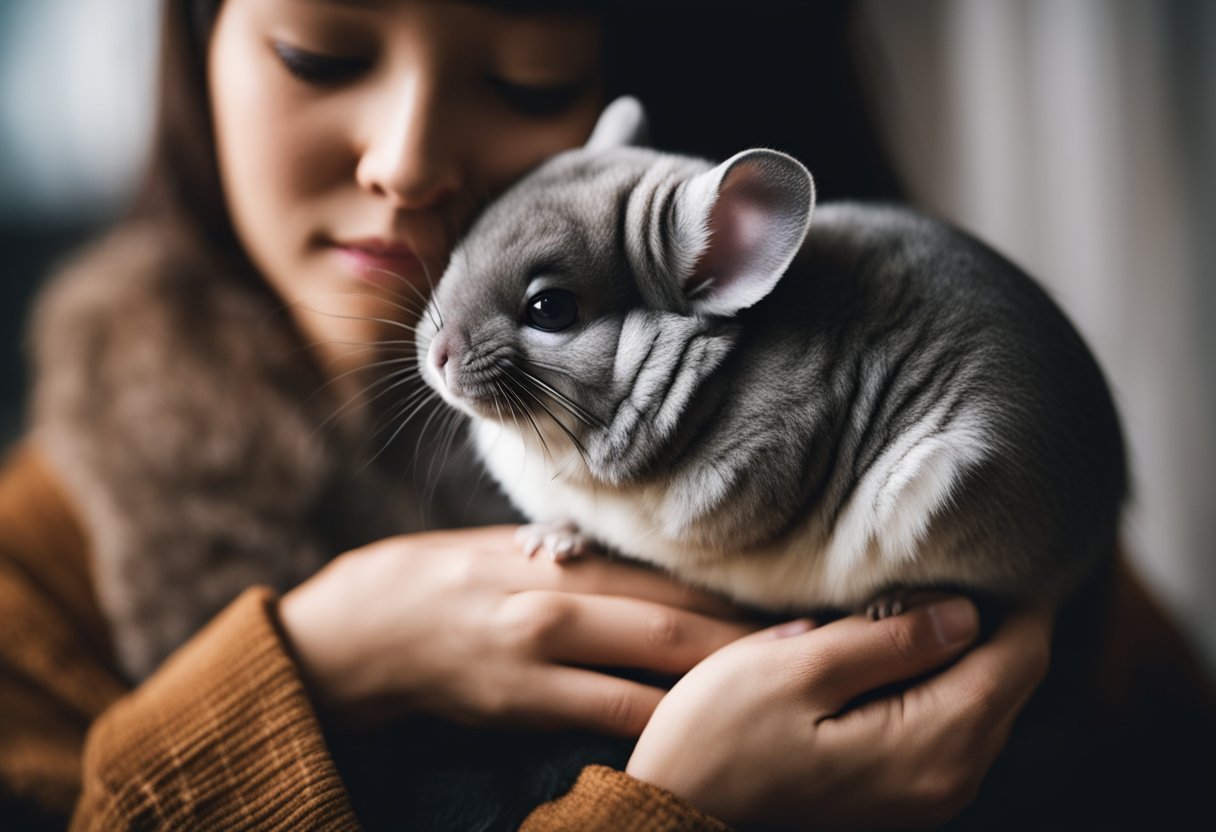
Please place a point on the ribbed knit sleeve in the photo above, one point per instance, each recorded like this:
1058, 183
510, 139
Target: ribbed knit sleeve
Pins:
607, 799
221, 737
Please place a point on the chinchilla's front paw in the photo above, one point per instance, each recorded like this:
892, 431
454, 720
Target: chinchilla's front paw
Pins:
892, 602
559, 541
898, 600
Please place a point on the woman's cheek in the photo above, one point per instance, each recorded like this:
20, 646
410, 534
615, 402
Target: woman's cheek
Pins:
523, 143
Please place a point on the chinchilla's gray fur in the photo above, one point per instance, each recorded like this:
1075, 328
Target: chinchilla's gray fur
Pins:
800, 419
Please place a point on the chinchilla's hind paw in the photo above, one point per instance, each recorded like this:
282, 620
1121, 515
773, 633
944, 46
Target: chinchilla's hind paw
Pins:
559, 541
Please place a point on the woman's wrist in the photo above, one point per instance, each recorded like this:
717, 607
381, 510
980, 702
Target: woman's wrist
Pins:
314, 635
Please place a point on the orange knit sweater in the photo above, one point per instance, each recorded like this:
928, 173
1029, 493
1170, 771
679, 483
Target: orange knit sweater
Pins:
223, 736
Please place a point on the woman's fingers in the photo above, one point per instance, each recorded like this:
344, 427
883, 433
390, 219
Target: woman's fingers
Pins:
569, 697
601, 576
909, 758
993, 681
840, 661
944, 733
595, 575
607, 631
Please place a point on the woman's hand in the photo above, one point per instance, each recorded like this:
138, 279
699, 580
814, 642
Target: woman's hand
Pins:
461, 625
760, 733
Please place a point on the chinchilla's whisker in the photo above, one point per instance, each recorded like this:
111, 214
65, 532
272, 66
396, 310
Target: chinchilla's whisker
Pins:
431, 486
561, 425
527, 414
415, 403
332, 380
510, 409
404, 346
578, 445
457, 420
436, 452
403, 302
430, 282
360, 395
370, 318
391, 414
552, 368
314, 303
393, 346
448, 430
397, 418
388, 362
481, 476
580, 416
426, 304
370, 456
353, 350
404, 298
402, 307
400, 427
307, 347
434, 300
358, 347
571, 406
309, 304
422, 431
574, 407
374, 319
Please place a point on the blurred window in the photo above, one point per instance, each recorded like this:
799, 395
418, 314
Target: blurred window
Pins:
76, 83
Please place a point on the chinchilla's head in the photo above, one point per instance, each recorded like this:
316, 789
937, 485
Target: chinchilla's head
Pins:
571, 303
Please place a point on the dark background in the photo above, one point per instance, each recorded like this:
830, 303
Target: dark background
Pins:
28, 251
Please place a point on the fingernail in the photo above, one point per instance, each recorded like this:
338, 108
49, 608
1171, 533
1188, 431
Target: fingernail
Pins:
953, 621
790, 628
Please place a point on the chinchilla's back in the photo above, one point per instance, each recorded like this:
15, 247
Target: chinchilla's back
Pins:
893, 331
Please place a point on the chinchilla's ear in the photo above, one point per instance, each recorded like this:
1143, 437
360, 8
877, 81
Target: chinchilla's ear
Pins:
747, 218
622, 124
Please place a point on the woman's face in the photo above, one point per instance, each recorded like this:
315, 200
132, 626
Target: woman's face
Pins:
357, 138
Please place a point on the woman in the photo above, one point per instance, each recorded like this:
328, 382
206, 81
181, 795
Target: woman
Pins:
306, 148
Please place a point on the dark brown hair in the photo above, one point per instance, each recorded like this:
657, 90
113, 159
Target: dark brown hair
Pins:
182, 184
717, 78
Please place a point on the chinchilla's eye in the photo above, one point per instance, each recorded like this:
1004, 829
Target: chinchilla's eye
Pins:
552, 310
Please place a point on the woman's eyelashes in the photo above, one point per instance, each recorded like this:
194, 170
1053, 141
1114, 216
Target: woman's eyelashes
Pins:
536, 99
318, 69
324, 70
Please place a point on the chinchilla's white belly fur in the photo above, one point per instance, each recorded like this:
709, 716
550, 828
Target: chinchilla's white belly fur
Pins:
802, 571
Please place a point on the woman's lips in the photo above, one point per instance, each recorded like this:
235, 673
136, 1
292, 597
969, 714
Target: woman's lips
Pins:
379, 261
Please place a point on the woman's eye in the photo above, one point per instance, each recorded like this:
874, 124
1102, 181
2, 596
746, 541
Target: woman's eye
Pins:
536, 100
552, 310
317, 69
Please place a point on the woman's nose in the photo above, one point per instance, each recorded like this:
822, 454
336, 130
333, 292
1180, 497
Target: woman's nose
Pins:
412, 156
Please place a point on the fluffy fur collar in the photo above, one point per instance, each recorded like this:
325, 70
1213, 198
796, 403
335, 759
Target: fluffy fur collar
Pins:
189, 428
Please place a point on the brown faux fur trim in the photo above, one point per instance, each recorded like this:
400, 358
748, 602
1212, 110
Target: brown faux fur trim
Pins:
180, 411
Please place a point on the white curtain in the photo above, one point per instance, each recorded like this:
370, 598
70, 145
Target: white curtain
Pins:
1078, 137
